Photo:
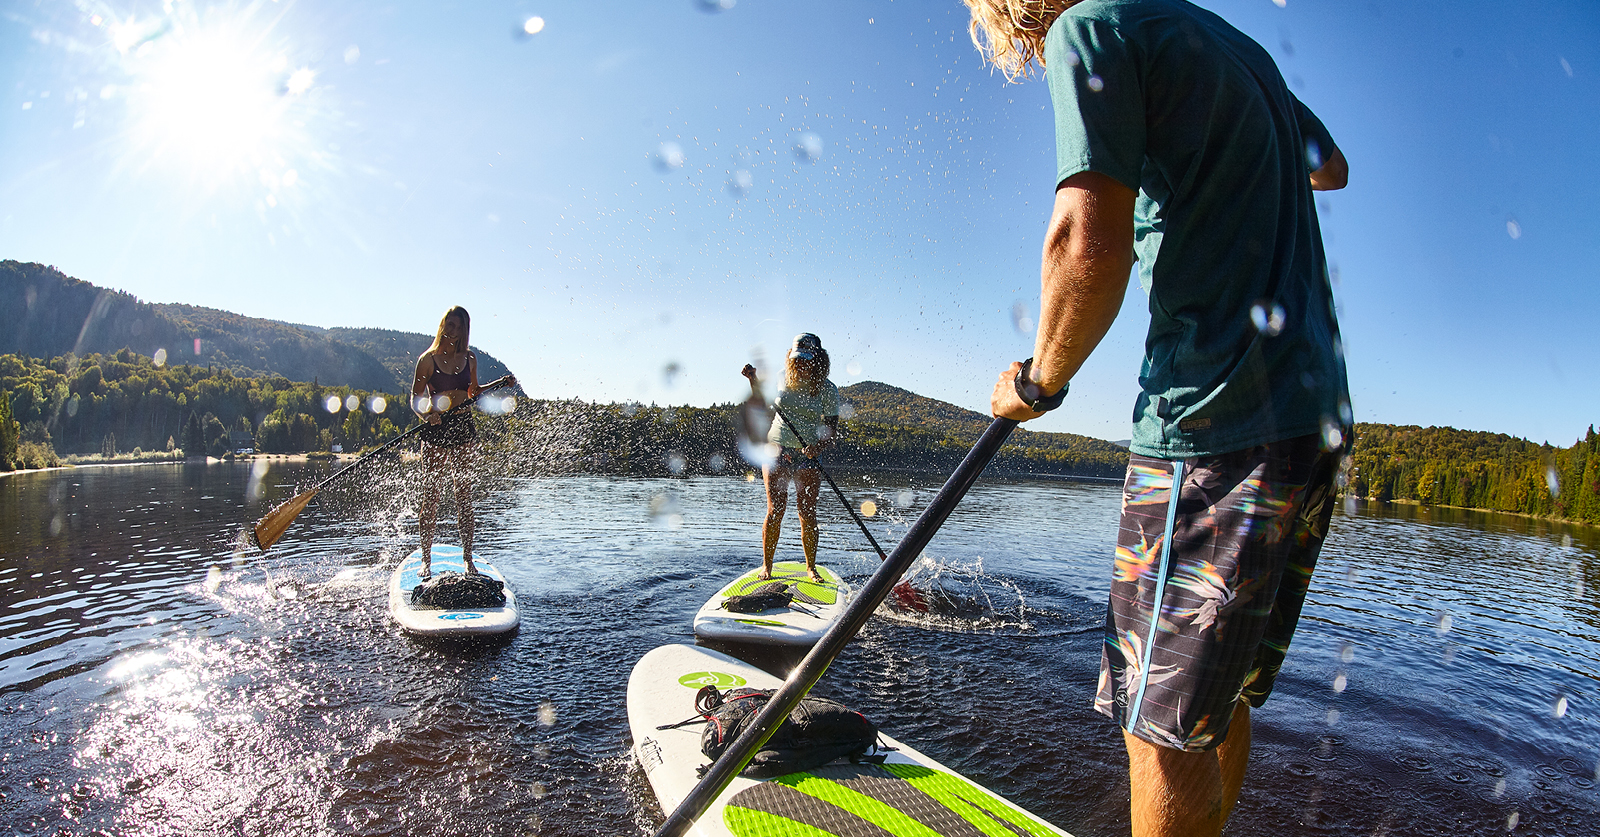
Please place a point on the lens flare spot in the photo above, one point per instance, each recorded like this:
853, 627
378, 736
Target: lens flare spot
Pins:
160, 358
669, 156
809, 148
868, 508
352, 402
332, 403
533, 25
377, 403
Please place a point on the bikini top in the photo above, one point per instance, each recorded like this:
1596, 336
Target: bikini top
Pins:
442, 381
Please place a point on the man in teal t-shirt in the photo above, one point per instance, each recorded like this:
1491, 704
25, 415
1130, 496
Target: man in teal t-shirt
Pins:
1179, 145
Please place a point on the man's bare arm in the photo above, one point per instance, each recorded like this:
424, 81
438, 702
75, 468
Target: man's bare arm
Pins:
1088, 253
1334, 174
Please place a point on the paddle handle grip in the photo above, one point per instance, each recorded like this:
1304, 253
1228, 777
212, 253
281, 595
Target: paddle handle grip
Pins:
850, 623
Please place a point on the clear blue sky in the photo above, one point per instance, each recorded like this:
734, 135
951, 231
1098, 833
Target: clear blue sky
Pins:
642, 196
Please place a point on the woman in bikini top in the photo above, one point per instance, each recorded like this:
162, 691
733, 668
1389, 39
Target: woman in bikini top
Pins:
448, 440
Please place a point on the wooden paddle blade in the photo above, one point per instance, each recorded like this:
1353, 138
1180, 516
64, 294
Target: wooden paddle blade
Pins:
271, 527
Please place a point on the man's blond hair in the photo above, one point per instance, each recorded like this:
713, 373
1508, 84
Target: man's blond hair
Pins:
1010, 33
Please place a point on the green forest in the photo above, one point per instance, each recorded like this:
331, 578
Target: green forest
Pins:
1449, 467
121, 403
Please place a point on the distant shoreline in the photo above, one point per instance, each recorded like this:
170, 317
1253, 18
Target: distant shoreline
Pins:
281, 457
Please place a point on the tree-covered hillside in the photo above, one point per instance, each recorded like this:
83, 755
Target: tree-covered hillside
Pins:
49, 314
1446, 466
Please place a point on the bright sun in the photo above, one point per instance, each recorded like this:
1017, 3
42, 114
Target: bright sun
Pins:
213, 96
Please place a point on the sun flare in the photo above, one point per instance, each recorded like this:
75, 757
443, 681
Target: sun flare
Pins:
215, 98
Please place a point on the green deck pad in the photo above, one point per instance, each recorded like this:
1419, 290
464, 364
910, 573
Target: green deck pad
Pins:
806, 591
852, 800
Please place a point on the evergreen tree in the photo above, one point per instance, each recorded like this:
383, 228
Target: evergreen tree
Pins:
194, 440
10, 434
108, 445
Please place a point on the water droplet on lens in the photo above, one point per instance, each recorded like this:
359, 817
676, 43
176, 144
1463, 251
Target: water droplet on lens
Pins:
716, 462
1553, 480
809, 148
1511, 821
868, 508
547, 714
1268, 320
714, 6
533, 25
213, 578
1442, 622
1022, 318
1559, 709
739, 183
1347, 652
905, 498
1513, 228
670, 372
1333, 717
1332, 434
1499, 789
676, 463
853, 367
1281, 3
352, 54
669, 156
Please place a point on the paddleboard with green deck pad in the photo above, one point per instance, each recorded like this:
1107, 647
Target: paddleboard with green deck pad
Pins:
816, 607
910, 794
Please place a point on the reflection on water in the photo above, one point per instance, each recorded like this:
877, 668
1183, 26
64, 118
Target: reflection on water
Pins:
155, 677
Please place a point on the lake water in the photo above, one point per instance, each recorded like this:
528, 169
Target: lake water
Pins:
156, 677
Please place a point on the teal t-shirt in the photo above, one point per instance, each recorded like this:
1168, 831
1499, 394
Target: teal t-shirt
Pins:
807, 411
1169, 99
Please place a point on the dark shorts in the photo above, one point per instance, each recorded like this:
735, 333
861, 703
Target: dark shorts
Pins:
454, 429
794, 460
1244, 534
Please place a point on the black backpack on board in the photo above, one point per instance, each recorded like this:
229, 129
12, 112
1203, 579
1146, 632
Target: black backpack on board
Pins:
767, 598
817, 732
454, 591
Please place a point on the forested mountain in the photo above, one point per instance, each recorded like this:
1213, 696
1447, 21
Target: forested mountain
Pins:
896, 424
48, 314
1446, 466
398, 350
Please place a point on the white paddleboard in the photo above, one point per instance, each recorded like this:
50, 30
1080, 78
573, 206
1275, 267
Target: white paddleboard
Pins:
816, 607
448, 622
909, 794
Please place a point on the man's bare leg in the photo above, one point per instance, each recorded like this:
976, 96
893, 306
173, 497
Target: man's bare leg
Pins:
1174, 793
1183, 794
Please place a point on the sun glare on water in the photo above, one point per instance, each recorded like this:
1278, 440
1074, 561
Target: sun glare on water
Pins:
217, 98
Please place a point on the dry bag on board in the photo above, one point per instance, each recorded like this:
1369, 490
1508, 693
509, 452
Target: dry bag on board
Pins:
454, 591
769, 597
817, 731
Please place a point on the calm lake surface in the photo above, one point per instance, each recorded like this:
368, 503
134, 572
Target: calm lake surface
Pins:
157, 677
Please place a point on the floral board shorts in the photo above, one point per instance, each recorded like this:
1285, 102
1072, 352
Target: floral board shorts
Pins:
1228, 557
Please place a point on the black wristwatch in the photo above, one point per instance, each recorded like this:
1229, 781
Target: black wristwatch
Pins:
1032, 395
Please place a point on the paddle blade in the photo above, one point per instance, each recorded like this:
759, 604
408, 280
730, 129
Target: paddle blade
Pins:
905, 597
271, 527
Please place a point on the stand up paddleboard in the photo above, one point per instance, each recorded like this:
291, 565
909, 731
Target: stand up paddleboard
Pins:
909, 794
446, 623
814, 610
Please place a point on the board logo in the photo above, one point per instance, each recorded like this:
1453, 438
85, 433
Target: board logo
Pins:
701, 679
460, 616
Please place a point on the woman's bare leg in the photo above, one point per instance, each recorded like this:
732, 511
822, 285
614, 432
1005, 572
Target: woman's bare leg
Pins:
462, 465
808, 484
427, 515
777, 481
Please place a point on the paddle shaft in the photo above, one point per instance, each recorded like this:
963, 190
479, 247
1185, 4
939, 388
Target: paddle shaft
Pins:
847, 507
810, 670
